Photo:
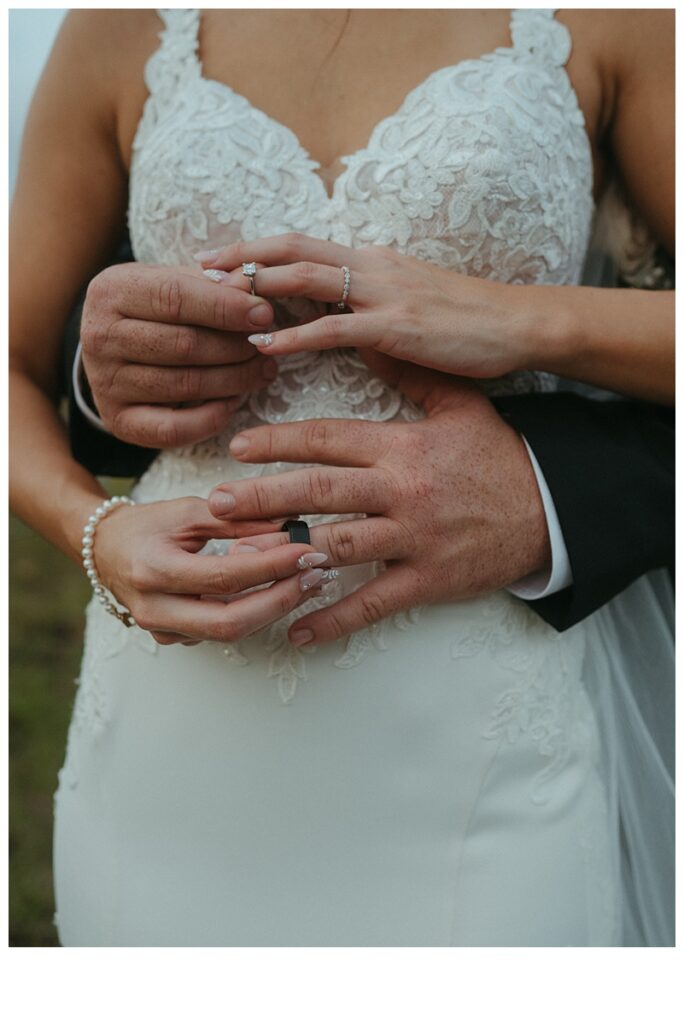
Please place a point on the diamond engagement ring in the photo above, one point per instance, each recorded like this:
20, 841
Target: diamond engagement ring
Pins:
249, 270
345, 288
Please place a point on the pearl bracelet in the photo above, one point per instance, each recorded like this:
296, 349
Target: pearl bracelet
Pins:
122, 614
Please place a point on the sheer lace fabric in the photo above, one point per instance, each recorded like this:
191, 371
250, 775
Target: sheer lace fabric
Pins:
441, 778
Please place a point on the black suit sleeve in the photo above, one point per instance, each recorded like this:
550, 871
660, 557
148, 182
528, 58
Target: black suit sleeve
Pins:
609, 466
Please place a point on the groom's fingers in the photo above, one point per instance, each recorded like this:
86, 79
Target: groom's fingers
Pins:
347, 542
335, 442
394, 590
135, 383
342, 331
322, 489
157, 426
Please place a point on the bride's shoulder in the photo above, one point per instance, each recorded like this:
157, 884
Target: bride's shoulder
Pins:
102, 55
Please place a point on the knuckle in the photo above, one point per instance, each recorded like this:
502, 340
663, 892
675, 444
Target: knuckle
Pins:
284, 604
184, 343
320, 487
168, 299
341, 544
293, 242
304, 273
383, 252
225, 581
166, 433
331, 328
335, 626
189, 383
142, 613
260, 498
372, 608
317, 433
141, 577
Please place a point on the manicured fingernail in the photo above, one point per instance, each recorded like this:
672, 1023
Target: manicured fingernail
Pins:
310, 579
206, 255
216, 275
300, 637
260, 315
221, 504
312, 560
241, 549
260, 340
239, 445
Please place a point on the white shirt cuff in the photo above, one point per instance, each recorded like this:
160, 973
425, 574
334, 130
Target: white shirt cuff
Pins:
559, 576
89, 413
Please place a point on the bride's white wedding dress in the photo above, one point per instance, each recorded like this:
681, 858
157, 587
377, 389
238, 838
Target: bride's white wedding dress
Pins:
441, 779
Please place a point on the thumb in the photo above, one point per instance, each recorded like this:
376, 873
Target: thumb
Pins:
431, 389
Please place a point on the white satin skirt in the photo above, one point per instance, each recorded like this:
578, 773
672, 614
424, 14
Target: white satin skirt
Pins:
440, 780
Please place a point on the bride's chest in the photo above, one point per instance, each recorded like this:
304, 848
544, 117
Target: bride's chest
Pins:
486, 167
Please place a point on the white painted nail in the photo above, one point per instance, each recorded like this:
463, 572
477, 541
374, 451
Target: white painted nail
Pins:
312, 560
205, 254
310, 579
260, 340
216, 275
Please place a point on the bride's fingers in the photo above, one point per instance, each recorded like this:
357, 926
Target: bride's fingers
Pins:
308, 280
392, 591
340, 331
281, 249
235, 278
217, 574
221, 622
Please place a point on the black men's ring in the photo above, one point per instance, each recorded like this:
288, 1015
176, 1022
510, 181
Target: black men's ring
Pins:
297, 530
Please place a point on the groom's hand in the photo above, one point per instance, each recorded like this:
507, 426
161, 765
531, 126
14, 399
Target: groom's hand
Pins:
155, 338
451, 502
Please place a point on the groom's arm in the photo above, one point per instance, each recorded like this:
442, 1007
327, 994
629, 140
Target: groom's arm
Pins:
97, 450
609, 466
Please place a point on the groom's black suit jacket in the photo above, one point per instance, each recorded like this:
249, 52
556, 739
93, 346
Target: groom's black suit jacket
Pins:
609, 466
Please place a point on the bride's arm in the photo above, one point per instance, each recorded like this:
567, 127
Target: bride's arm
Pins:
67, 215
621, 339
618, 338
66, 218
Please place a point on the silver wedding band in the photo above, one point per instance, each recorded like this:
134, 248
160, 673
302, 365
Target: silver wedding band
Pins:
249, 270
345, 289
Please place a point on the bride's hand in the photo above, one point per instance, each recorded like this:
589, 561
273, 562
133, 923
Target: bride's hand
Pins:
403, 307
147, 556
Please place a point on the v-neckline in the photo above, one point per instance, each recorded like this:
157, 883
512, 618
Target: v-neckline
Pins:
346, 158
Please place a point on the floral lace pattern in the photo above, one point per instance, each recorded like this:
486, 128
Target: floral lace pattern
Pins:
545, 704
485, 168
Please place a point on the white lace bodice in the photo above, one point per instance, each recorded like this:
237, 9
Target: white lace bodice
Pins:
485, 168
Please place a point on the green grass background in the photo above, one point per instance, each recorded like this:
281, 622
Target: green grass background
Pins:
48, 595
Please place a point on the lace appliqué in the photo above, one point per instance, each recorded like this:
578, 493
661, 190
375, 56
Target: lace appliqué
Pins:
484, 169
105, 638
544, 706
